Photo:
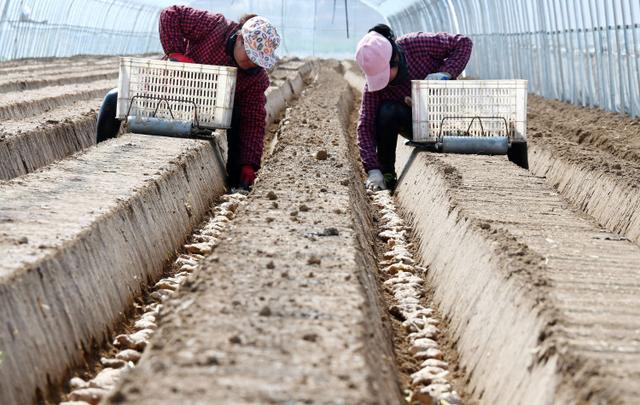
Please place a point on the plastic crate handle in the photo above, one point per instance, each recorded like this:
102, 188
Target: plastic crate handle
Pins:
468, 131
166, 101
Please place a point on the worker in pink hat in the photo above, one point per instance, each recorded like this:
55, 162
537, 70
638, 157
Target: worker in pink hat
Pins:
191, 35
389, 65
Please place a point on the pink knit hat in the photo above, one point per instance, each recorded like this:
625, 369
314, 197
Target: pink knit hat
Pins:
373, 55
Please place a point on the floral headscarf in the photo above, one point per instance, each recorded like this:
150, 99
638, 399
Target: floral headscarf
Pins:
260, 41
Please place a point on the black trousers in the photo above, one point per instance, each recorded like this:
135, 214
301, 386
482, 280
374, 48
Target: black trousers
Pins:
393, 118
108, 127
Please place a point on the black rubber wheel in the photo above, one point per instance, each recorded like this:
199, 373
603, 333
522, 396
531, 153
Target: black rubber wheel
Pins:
517, 154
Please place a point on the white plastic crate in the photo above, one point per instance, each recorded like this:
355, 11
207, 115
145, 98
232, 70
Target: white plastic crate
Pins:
469, 107
202, 94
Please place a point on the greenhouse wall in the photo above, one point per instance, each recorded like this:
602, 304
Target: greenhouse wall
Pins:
46, 28
582, 51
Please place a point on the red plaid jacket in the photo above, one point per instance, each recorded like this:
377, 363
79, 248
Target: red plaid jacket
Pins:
425, 53
203, 37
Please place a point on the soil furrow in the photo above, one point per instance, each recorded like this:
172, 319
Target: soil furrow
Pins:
26, 65
592, 157
17, 105
287, 293
59, 70
80, 239
57, 79
603, 188
507, 270
127, 344
29, 144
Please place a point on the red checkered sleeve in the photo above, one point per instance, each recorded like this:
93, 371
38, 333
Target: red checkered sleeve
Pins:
251, 101
453, 50
180, 25
366, 129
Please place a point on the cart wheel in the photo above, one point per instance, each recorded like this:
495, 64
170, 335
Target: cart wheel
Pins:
517, 154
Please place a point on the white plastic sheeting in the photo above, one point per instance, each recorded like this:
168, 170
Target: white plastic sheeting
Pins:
41, 28
327, 28
583, 51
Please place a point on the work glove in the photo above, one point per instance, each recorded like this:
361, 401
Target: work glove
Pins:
438, 76
247, 176
375, 181
178, 57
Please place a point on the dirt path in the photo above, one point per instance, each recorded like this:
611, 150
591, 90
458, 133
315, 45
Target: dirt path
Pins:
287, 309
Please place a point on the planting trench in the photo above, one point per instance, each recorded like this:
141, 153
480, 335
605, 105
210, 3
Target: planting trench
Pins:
81, 237
538, 295
52, 125
525, 297
291, 316
291, 308
22, 104
31, 143
592, 157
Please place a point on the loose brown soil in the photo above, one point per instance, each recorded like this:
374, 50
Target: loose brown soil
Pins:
614, 133
288, 298
406, 362
592, 157
536, 292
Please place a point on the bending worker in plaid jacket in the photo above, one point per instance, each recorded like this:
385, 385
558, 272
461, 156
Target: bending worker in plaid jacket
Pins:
191, 35
389, 66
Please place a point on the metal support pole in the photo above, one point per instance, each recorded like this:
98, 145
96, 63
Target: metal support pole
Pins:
612, 80
545, 51
631, 107
3, 28
346, 16
603, 95
624, 105
612, 23
583, 44
572, 67
313, 41
636, 53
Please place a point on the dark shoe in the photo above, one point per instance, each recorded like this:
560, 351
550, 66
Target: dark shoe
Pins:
390, 181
